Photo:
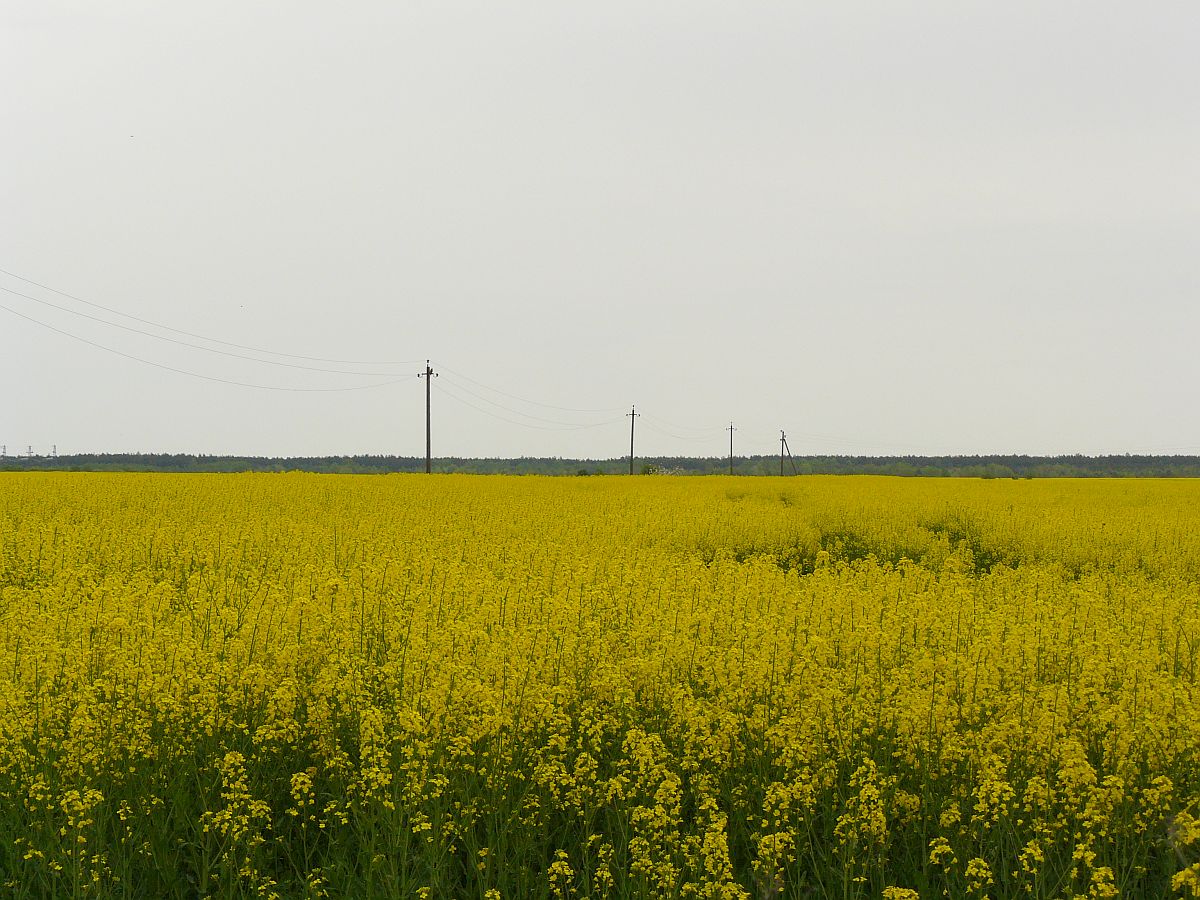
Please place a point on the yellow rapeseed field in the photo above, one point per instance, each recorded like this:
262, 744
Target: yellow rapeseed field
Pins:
489, 687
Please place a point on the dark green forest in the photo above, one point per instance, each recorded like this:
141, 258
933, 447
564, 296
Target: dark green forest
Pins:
1074, 466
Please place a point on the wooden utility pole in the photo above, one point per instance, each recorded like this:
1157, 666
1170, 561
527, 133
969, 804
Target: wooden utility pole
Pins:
428, 375
633, 417
784, 448
731, 430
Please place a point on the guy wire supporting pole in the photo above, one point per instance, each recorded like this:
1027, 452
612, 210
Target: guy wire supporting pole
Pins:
633, 416
731, 430
428, 375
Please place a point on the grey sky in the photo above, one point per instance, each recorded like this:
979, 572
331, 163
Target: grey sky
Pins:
886, 228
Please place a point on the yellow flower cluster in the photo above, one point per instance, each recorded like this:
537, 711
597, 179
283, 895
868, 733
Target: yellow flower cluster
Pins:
305, 686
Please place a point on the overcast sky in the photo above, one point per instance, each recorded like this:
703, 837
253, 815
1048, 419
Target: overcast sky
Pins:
886, 228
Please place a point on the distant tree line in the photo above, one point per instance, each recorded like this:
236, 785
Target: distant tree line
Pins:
1013, 466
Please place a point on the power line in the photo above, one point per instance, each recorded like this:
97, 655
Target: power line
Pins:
709, 430
679, 437
443, 389
862, 442
515, 412
487, 412
701, 434
124, 315
170, 340
706, 434
445, 368
263, 387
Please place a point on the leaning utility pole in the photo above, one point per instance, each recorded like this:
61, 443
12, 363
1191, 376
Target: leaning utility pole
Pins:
633, 417
731, 430
428, 375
